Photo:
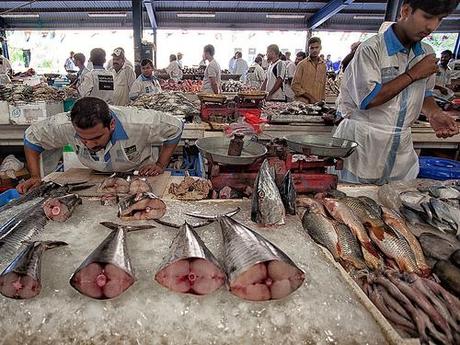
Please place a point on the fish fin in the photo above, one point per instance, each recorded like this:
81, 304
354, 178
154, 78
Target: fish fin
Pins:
214, 217
114, 226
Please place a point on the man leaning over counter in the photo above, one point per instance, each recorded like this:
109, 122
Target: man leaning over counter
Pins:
106, 139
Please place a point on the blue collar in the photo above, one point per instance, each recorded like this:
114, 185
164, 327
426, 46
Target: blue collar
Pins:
144, 78
395, 46
119, 133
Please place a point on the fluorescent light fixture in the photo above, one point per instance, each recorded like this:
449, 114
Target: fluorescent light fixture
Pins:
285, 16
20, 15
455, 17
369, 17
196, 15
107, 15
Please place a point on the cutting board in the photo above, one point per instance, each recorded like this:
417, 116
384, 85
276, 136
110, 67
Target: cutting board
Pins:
159, 183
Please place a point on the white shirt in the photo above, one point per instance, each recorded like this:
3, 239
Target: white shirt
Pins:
5, 65
127, 63
174, 71
211, 71
179, 62
69, 65
123, 80
81, 73
443, 77
98, 83
143, 85
240, 68
276, 70
290, 71
231, 64
255, 76
132, 144
385, 150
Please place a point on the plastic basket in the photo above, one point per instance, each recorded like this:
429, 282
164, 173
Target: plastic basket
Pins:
8, 195
439, 168
193, 164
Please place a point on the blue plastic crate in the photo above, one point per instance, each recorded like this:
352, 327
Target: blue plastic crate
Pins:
439, 168
193, 164
8, 195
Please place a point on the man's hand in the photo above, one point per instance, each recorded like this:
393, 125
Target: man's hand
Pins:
443, 124
31, 183
151, 170
424, 68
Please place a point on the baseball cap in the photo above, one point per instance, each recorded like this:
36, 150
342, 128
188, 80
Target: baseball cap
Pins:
118, 52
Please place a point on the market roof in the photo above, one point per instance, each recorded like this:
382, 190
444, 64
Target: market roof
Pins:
363, 15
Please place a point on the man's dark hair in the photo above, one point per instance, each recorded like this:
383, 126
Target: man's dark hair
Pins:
301, 54
209, 49
80, 57
146, 62
447, 52
274, 48
258, 59
314, 40
87, 112
282, 57
432, 7
97, 56
172, 57
1, 51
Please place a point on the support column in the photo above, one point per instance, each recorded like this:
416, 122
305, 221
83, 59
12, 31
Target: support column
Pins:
392, 10
138, 28
457, 48
155, 48
309, 35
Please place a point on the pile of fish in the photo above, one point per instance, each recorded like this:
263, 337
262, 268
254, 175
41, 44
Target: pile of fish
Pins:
333, 86
234, 86
69, 93
191, 189
44, 92
193, 71
173, 103
415, 306
271, 202
141, 206
190, 86
296, 111
14, 93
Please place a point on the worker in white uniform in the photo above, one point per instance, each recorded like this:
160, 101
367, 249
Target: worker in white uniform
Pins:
387, 84
179, 60
98, 82
127, 62
173, 70
5, 65
124, 78
146, 83
290, 71
80, 59
212, 74
240, 67
275, 74
256, 74
106, 139
444, 75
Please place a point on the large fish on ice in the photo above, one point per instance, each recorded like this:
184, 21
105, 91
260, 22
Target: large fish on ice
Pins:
107, 272
190, 267
21, 279
288, 194
257, 270
60, 209
267, 205
141, 206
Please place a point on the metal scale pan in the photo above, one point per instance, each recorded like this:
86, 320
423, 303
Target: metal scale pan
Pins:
321, 145
215, 150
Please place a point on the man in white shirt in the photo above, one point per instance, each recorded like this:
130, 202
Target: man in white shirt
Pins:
288, 56
274, 78
240, 67
69, 64
444, 75
387, 84
107, 139
179, 60
5, 65
127, 62
231, 63
256, 74
98, 82
80, 59
290, 71
212, 73
124, 78
146, 83
173, 70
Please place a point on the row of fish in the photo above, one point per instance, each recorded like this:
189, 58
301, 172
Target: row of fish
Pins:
173, 103
190, 86
415, 306
19, 93
271, 202
254, 268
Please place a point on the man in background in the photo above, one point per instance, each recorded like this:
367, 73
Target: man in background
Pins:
173, 70
240, 67
299, 57
276, 72
329, 67
69, 64
127, 62
212, 73
256, 74
288, 56
80, 59
309, 83
444, 75
231, 63
146, 83
124, 78
179, 60
5, 65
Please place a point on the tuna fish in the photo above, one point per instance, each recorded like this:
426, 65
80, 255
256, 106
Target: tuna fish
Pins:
107, 272
141, 206
61, 208
267, 206
288, 194
21, 279
190, 267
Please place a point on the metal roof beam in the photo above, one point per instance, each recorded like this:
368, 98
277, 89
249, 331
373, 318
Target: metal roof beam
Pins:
150, 7
333, 7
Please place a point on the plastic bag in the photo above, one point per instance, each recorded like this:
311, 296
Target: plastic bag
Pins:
10, 166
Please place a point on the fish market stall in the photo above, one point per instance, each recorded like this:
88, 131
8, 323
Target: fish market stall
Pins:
323, 310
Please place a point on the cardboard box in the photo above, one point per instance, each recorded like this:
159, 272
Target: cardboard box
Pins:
25, 114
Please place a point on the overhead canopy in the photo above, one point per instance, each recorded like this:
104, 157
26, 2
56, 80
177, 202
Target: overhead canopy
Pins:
344, 15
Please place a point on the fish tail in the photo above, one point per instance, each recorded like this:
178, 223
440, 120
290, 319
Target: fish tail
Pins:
127, 228
214, 217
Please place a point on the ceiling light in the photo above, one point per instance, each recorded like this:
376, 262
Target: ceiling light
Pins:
285, 16
107, 15
20, 15
369, 17
196, 15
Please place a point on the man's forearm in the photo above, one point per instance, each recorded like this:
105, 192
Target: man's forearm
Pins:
214, 86
33, 162
390, 90
430, 107
166, 152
